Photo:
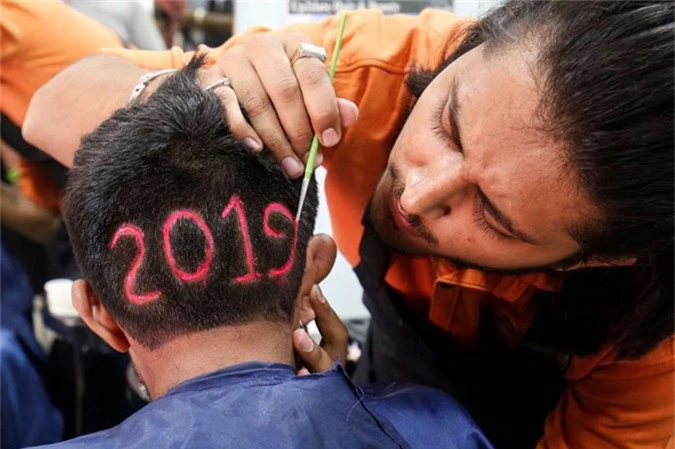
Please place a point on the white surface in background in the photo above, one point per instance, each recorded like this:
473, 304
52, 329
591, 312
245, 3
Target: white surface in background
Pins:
58, 293
148, 5
341, 287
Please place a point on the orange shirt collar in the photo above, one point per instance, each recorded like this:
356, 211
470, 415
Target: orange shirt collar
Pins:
507, 287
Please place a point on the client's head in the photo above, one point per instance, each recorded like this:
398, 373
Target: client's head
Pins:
177, 226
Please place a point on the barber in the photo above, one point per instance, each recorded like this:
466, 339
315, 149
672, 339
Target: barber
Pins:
505, 197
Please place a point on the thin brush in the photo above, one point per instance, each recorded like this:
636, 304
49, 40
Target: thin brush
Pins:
309, 169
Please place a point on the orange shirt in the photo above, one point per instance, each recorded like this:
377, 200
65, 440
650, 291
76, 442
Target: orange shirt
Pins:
39, 39
610, 403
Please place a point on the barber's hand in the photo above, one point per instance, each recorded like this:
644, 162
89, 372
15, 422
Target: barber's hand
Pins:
317, 358
312, 305
286, 104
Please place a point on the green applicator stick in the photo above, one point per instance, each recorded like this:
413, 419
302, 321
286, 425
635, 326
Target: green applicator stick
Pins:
309, 169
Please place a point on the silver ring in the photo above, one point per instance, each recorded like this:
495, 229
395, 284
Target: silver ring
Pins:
224, 82
308, 51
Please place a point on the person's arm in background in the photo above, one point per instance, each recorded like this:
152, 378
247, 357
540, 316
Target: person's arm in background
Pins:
281, 100
626, 404
76, 101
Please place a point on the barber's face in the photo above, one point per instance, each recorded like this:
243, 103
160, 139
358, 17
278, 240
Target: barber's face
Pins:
470, 178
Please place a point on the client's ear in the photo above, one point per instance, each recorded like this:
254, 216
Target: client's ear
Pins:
321, 254
92, 311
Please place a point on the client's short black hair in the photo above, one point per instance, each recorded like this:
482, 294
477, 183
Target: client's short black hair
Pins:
146, 210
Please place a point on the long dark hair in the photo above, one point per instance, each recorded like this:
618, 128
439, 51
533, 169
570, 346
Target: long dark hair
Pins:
606, 71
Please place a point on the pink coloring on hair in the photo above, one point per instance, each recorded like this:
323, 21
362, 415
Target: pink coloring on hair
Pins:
269, 210
236, 205
203, 269
133, 231
281, 209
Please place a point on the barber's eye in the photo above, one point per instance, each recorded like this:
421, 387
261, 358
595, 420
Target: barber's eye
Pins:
440, 132
481, 222
444, 133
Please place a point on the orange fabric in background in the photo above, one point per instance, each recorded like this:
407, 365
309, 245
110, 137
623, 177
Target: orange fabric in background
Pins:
38, 185
39, 39
610, 403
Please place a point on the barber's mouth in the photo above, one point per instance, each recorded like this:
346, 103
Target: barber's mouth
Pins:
401, 220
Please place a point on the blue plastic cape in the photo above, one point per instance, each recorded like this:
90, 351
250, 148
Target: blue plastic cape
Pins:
267, 406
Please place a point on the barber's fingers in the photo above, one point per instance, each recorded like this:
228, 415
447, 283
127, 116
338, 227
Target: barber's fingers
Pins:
244, 132
318, 358
334, 332
236, 121
263, 116
312, 356
273, 66
286, 103
349, 112
318, 95
236, 65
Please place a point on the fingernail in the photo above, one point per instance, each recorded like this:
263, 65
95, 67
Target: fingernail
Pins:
291, 166
316, 292
252, 144
330, 137
356, 115
306, 343
351, 120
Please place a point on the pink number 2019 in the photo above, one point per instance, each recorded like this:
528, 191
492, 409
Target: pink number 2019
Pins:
201, 272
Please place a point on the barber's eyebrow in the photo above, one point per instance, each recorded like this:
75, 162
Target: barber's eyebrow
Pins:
453, 114
504, 221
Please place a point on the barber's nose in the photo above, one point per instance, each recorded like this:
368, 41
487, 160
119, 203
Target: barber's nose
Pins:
431, 191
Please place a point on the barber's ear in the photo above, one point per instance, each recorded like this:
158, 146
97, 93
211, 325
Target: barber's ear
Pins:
321, 254
92, 311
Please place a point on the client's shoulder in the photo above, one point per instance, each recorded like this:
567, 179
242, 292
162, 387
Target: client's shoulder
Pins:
425, 417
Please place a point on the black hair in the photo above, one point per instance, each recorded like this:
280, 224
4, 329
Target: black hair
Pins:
175, 152
606, 74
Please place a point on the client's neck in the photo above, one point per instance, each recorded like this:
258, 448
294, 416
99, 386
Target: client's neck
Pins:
200, 353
